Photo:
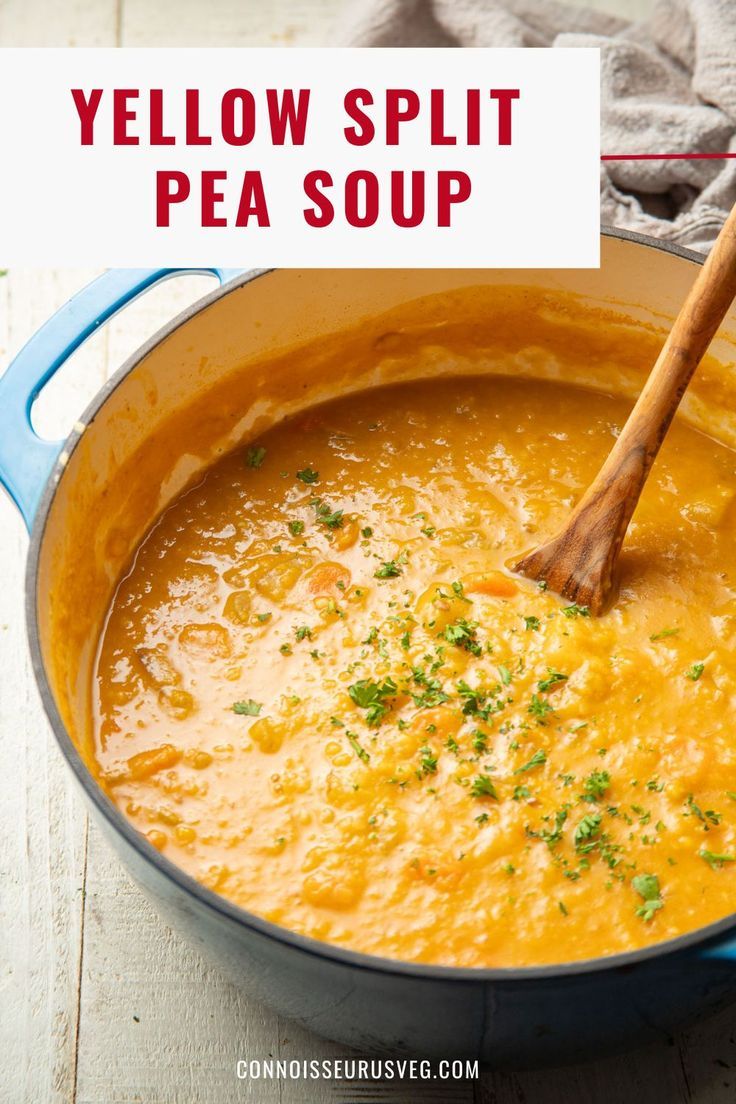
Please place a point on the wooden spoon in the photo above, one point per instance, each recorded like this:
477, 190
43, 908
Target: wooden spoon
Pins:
580, 562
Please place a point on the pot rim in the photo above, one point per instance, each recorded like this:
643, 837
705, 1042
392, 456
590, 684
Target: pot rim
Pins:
226, 910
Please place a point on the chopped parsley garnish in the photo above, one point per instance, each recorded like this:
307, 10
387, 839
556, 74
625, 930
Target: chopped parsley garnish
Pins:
366, 532
554, 678
463, 634
585, 832
538, 759
550, 836
371, 696
576, 611
695, 671
248, 708
539, 709
714, 860
480, 742
483, 787
708, 818
303, 632
263, 617
286, 649
428, 761
432, 694
332, 519
388, 570
296, 528
308, 475
504, 674
647, 886
663, 634
359, 751
476, 702
521, 792
255, 456
596, 785
532, 623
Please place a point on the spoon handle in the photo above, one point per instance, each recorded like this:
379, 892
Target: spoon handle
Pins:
580, 562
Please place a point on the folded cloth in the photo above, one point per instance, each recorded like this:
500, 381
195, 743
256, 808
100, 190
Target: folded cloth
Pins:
668, 85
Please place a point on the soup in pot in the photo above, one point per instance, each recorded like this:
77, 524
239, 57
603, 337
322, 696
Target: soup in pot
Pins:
323, 693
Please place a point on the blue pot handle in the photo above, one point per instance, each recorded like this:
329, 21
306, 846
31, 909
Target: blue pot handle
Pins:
26, 461
723, 952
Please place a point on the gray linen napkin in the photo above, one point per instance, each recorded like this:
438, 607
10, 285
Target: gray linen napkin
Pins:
668, 85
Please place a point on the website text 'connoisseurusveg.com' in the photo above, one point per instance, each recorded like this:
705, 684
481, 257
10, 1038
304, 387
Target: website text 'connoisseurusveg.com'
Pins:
356, 1069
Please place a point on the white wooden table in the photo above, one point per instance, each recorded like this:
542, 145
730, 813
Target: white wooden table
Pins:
99, 1002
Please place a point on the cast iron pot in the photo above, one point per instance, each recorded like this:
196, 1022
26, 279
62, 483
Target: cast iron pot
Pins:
73, 498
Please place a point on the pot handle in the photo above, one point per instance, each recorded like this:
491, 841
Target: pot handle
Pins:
26, 461
723, 951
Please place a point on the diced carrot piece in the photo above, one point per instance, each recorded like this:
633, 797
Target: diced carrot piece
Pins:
494, 583
346, 536
325, 577
146, 763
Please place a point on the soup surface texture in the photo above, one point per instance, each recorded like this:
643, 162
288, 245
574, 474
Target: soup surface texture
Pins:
322, 693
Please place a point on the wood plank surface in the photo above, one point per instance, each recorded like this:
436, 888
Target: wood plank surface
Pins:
99, 1002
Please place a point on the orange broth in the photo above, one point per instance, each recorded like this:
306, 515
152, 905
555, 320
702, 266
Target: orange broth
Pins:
322, 693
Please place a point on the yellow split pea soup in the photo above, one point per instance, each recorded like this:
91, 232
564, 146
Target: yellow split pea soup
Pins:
321, 691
